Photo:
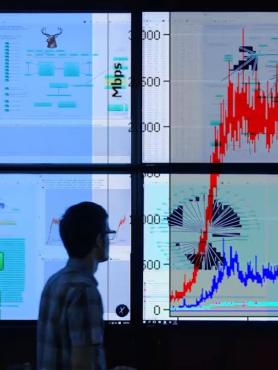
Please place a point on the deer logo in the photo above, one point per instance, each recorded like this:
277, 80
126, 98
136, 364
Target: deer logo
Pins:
51, 39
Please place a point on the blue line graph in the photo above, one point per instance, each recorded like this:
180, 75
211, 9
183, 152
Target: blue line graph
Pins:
231, 269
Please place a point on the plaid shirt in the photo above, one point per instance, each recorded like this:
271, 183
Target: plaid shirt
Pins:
70, 315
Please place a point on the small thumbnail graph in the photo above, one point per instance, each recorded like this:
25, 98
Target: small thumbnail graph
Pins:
53, 236
118, 236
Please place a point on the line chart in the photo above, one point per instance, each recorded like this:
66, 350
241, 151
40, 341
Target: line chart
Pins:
231, 267
247, 113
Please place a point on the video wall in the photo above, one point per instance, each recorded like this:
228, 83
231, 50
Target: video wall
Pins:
209, 110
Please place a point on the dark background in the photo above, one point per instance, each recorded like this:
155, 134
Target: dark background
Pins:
192, 346
196, 347
166, 5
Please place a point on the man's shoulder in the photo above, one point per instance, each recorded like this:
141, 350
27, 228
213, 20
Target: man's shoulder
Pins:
62, 290
63, 280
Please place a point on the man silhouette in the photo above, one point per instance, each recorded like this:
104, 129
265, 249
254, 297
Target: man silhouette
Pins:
70, 324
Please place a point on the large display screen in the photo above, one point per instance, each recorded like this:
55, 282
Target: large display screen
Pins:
31, 249
210, 247
210, 87
65, 88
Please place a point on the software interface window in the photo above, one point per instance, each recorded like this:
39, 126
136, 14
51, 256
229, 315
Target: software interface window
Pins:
31, 250
65, 88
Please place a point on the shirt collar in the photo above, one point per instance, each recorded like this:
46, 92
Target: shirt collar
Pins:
79, 265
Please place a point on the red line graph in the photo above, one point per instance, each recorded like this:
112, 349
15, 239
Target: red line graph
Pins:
121, 222
54, 221
248, 112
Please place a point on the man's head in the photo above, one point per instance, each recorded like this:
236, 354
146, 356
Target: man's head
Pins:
83, 228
